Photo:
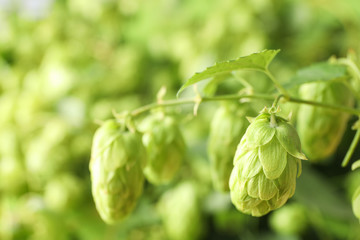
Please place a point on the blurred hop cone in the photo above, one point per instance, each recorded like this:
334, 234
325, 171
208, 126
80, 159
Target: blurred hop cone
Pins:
321, 129
289, 220
266, 164
116, 165
356, 203
227, 128
180, 211
164, 145
63, 192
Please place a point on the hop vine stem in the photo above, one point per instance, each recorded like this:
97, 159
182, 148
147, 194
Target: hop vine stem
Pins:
325, 105
174, 102
277, 99
351, 150
281, 89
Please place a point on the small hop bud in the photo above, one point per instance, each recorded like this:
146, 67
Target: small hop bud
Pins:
266, 164
356, 203
227, 128
321, 129
117, 160
165, 148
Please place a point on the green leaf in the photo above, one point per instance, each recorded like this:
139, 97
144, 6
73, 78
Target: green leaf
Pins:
323, 71
256, 61
211, 87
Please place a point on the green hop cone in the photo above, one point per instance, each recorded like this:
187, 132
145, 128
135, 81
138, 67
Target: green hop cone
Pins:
356, 203
180, 212
321, 129
117, 161
266, 164
165, 147
227, 128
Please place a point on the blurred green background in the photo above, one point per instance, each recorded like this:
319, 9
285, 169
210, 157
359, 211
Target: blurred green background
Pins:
66, 64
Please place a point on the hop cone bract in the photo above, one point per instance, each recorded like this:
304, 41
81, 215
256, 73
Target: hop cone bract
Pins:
321, 129
266, 164
117, 160
165, 148
227, 127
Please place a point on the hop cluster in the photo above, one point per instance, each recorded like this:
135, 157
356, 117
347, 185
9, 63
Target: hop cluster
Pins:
266, 164
116, 164
165, 147
321, 129
227, 127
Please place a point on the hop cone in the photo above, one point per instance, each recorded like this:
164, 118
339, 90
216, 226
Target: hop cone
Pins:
227, 127
266, 164
321, 129
117, 160
165, 148
356, 203
180, 211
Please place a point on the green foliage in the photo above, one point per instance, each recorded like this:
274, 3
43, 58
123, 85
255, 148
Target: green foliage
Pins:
320, 72
256, 61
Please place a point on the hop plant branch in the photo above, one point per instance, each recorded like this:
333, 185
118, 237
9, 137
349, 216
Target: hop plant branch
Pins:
277, 99
174, 102
283, 94
324, 105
